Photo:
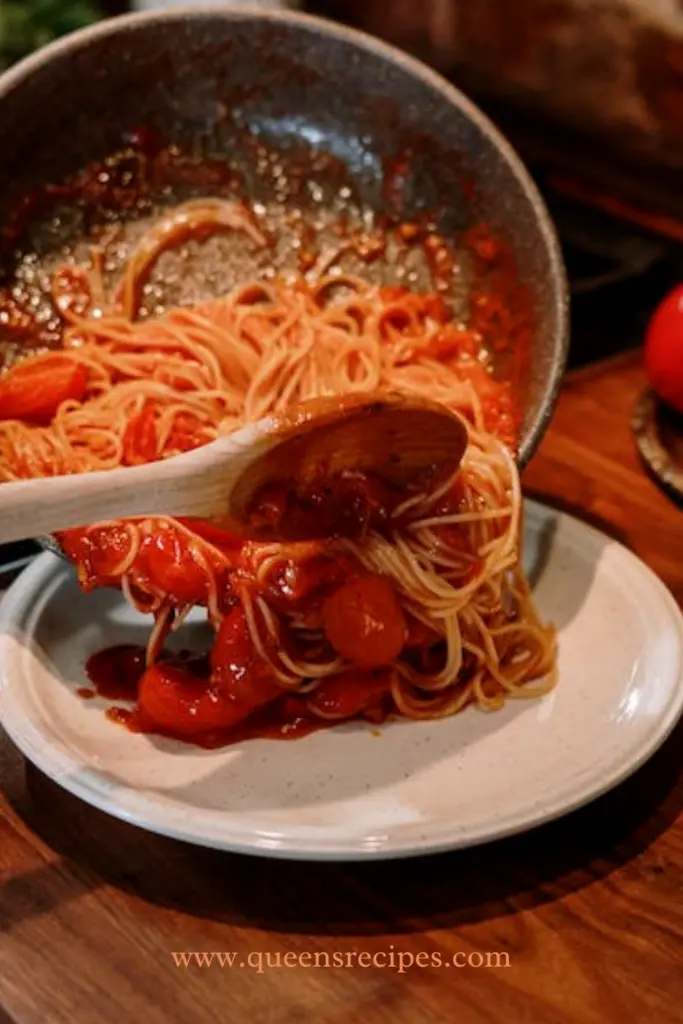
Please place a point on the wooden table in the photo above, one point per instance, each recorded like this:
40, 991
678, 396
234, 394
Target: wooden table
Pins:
589, 909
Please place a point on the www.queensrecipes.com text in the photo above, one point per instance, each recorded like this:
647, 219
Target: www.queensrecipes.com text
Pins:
394, 959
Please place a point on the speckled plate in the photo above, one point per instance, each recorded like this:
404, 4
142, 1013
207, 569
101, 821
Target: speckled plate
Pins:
659, 435
355, 792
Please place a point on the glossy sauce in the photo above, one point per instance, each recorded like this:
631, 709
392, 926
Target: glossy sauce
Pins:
272, 723
346, 506
116, 671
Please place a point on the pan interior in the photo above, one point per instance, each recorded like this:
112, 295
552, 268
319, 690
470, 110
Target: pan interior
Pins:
306, 121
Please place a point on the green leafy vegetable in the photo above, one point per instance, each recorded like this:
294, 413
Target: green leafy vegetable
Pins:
26, 25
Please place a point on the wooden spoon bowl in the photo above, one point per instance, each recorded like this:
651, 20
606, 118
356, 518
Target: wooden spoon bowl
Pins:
397, 440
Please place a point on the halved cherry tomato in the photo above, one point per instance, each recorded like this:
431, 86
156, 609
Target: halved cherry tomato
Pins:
182, 704
664, 349
174, 700
233, 648
34, 390
173, 570
348, 694
364, 622
246, 681
98, 552
140, 441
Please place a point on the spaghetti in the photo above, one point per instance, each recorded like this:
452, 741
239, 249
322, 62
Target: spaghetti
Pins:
422, 610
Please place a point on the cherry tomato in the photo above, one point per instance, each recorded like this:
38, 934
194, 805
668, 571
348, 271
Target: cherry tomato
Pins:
140, 442
34, 390
363, 621
188, 432
664, 349
297, 581
172, 569
180, 703
244, 679
214, 534
98, 552
348, 694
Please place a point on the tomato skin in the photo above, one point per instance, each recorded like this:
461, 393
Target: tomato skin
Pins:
98, 552
174, 700
348, 694
180, 703
34, 390
364, 622
171, 568
140, 442
664, 349
188, 432
233, 648
213, 533
300, 582
245, 680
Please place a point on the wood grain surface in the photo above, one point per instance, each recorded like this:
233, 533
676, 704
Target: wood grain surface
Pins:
589, 908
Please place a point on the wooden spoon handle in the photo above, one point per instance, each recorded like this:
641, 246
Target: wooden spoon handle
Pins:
36, 508
196, 483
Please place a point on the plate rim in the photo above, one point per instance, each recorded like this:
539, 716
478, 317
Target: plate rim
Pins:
133, 805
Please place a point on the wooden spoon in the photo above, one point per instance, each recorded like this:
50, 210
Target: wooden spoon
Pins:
395, 438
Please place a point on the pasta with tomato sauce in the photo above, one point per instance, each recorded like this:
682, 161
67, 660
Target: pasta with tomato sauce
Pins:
419, 608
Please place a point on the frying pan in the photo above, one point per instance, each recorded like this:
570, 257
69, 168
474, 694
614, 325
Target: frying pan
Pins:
309, 116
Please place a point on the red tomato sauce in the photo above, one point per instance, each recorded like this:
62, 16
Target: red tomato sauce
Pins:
346, 506
233, 693
116, 672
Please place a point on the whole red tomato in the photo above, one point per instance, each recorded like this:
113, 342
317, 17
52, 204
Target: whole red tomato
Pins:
664, 349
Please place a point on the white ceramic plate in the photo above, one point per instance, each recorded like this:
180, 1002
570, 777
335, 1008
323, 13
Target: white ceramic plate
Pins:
350, 793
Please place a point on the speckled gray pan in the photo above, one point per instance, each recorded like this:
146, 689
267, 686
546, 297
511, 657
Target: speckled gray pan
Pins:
204, 77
